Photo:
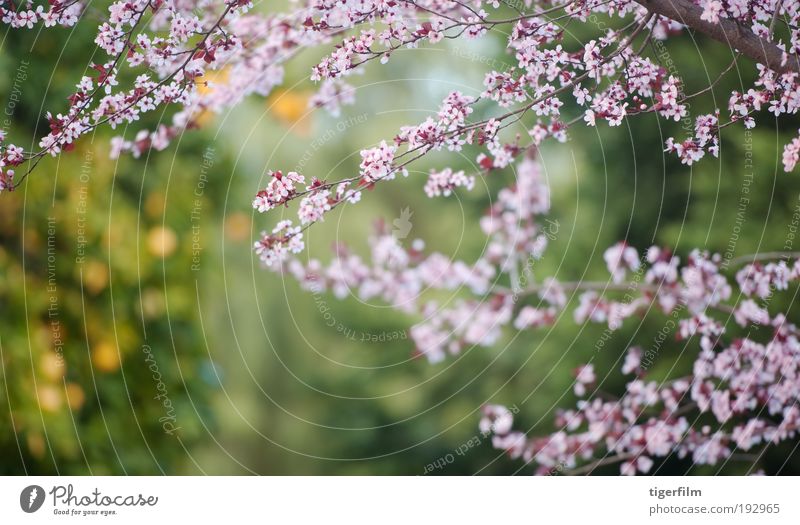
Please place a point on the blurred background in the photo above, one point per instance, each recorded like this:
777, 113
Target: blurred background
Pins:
139, 335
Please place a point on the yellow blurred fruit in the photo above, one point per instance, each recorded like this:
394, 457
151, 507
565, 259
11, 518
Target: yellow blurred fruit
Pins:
237, 226
154, 204
43, 335
152, 303
8, 212
95, 276
203, 118
36, 444
207, 82
52, 366
205, 86
105, 357
49, 397
75, 396
32, 240
161, 241
291, 107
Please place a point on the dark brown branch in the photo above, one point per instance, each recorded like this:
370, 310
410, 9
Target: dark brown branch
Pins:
726, 31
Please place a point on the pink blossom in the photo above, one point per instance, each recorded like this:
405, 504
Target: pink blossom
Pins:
445, 181
377, 163
584, 377
619, 259
280, 189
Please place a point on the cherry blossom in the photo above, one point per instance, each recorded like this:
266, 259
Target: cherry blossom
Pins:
620, 259
274, 248
280, 190
205, 58
445, 181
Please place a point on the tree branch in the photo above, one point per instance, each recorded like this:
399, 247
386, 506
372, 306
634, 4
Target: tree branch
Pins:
726, 31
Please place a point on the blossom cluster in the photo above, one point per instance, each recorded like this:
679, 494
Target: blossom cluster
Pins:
274, 248
744, 393
10, 157
202, 58
743, 390
280, 190
58, 13
445, 181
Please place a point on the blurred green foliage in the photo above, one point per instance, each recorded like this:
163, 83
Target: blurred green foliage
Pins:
129, 284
